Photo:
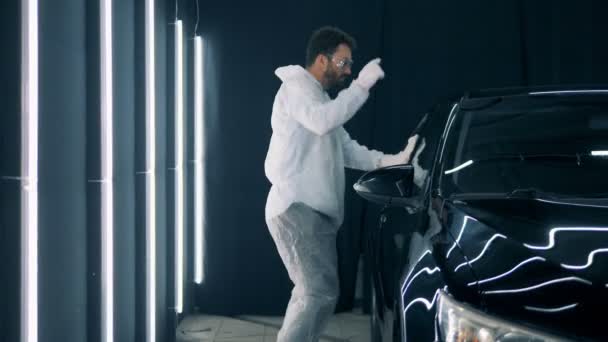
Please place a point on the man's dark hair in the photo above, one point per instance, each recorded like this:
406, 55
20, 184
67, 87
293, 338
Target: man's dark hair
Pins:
325, 41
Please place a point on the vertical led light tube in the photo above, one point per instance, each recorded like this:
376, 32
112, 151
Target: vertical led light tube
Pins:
179, 167
150, 173
107, 175
198, 161
29, 171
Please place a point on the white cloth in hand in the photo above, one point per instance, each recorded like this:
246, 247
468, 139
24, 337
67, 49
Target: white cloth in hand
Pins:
402, 157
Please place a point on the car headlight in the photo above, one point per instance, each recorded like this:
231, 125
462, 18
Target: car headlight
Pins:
461, 323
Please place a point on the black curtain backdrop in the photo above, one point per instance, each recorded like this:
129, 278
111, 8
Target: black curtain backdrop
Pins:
432, 51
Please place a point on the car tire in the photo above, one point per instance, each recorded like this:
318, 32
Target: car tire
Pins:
375, 331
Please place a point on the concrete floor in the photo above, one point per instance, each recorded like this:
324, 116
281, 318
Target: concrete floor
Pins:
343, 327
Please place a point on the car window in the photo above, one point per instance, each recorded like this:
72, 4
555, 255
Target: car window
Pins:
429, 130
555, 148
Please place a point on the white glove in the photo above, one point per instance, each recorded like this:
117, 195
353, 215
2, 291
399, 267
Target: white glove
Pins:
402, 157
370, 74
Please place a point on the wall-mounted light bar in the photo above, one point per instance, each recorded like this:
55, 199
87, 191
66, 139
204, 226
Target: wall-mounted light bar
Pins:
107, 175
150, 174
198, 161
29, 171
179, 167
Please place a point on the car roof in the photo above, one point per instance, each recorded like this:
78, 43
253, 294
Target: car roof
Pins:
539, 90
484, 98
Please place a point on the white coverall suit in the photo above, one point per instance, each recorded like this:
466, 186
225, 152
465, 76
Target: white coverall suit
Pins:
308, 152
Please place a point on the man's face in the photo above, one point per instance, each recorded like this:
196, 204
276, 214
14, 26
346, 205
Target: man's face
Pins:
338, 67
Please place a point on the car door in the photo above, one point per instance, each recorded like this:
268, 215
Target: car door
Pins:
390, 241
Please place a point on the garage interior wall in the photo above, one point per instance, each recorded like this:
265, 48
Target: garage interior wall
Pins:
433, 51
69, 244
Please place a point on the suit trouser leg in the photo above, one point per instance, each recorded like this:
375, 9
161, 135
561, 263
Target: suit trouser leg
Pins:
306, 242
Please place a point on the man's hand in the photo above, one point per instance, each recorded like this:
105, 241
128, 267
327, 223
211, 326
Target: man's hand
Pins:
411, 144
402, 157
370, 74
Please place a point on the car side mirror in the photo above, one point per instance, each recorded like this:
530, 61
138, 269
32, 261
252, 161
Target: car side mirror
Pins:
389, 186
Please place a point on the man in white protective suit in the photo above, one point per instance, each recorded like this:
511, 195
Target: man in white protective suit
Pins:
308, 152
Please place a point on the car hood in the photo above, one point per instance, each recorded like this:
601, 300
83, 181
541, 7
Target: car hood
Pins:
539, 262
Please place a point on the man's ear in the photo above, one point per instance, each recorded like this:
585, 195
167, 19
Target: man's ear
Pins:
322, 61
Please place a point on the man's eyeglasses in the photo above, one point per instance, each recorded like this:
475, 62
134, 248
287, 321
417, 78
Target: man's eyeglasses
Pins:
342, 63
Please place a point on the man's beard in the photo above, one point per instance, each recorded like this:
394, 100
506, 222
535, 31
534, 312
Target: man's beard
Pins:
333, 80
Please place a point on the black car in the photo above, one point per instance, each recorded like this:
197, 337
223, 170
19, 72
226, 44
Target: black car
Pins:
505, 206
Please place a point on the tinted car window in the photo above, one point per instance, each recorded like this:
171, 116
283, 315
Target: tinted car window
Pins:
547, 145
429, 130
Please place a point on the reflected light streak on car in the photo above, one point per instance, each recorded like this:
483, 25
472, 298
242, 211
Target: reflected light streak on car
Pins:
424, 301
599, 153
427, 270
589, 260
427, 252
485, 248
554, 231
552, 310
586, 205
448, 127
508, 272
456, 169
570, 92
534, 287
464, 224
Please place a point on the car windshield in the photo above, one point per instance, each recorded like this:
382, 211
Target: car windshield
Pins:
553, 147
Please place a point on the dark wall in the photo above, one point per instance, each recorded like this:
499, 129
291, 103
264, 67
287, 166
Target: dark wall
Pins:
432, 51
10, 189
435, 50
564, 42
